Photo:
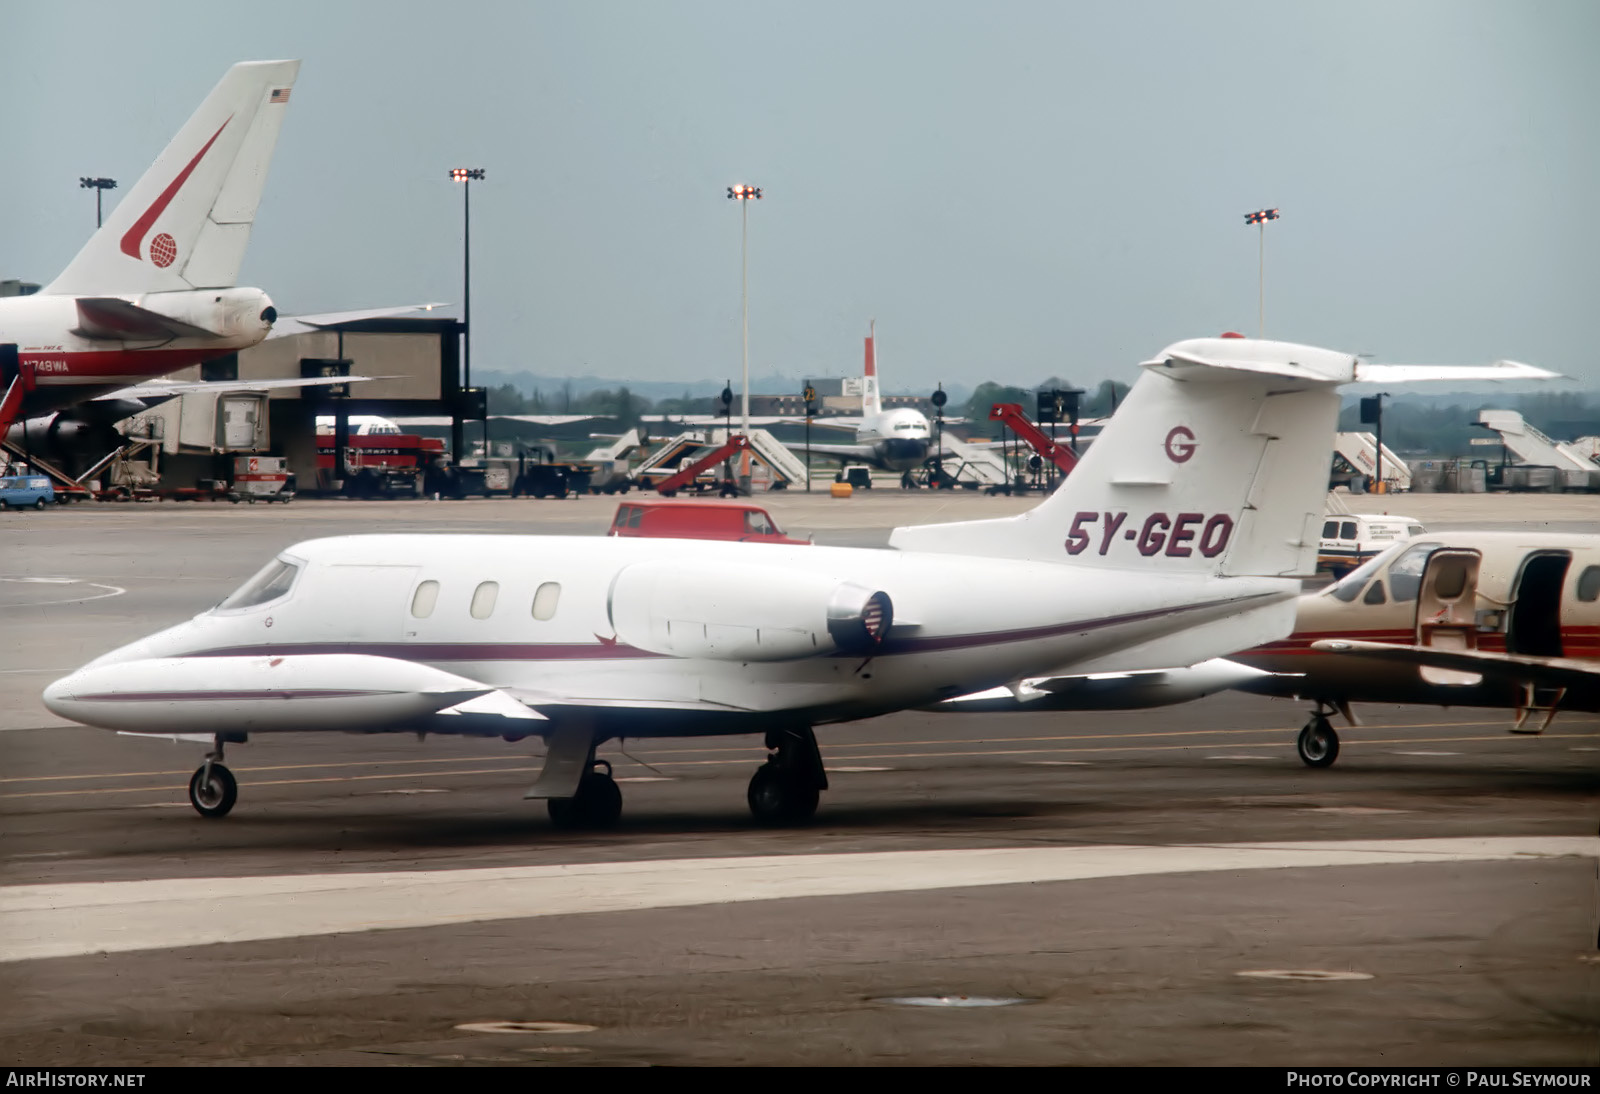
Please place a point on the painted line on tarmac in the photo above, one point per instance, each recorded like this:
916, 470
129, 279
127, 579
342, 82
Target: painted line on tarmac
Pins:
743, 761
115, 590
67, 920
748, 754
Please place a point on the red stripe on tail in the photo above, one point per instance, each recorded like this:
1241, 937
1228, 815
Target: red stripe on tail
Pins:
135, 235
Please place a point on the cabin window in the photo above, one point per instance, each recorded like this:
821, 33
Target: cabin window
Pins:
1589, 584
1415, 529
483, 598
757, 524
1347, 530
272, 583
1330, 530
545, 599
1375, 594
423, 600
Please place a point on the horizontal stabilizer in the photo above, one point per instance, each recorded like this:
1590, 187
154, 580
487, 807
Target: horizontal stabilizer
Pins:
113, 319
1500, 370
299, 324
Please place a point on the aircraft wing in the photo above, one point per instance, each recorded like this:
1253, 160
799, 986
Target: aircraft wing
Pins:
113, 319
300, 324
1559, 672
161, 390
713, 419
437, 420
1110, 690
861, 453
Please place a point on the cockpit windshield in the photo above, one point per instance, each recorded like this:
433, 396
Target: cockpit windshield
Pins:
1348, 587
273, 582
1405, 576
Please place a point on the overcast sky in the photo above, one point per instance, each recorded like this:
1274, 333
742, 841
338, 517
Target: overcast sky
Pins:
1013, 190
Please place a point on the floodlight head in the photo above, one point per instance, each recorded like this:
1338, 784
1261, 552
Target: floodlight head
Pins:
467, 174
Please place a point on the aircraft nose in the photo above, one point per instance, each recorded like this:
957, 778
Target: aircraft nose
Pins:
59, 694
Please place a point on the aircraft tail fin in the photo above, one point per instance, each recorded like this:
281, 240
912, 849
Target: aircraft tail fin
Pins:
1217, 462
871, 399
186, 222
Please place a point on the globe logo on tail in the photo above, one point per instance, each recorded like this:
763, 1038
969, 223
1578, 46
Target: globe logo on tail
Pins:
163, 249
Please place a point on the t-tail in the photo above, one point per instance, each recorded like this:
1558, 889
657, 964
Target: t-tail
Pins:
1216, 463
186, 222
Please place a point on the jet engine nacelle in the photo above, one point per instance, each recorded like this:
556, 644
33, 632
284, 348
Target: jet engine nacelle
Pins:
744, 613
227, 313
343, 691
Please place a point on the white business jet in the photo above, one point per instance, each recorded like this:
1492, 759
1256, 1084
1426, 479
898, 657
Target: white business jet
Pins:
1181, 537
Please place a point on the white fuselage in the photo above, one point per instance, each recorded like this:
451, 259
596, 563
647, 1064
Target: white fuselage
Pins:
61, 367
960, 624
895, 440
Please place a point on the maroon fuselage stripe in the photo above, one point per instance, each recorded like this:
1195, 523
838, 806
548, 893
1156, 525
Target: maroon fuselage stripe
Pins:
615, 651
214, 696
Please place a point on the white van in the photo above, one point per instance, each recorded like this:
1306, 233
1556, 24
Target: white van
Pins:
1349, 539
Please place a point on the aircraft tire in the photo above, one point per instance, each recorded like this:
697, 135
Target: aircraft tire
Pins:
215, 797
1318, 743
778, 798
597, 804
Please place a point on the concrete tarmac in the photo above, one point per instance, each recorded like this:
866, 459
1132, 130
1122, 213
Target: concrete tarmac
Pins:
1112, 877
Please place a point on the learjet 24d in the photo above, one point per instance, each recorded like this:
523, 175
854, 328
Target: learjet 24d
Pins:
1181, 537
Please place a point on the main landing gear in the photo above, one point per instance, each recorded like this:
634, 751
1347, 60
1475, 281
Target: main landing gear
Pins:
784, 790
213, 789
597, 803
1318, 744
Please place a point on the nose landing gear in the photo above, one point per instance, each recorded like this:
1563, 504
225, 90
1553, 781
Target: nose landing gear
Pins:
1318, 743
213, 789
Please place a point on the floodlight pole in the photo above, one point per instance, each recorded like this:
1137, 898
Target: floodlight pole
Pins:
99, 186
1261, 284
466, 176
743, 194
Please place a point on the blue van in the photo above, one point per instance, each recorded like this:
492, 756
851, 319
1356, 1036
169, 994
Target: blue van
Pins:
25, 491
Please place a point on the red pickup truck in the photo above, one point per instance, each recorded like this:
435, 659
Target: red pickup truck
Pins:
697, 520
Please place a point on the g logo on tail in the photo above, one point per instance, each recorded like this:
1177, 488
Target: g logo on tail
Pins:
1180, 444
